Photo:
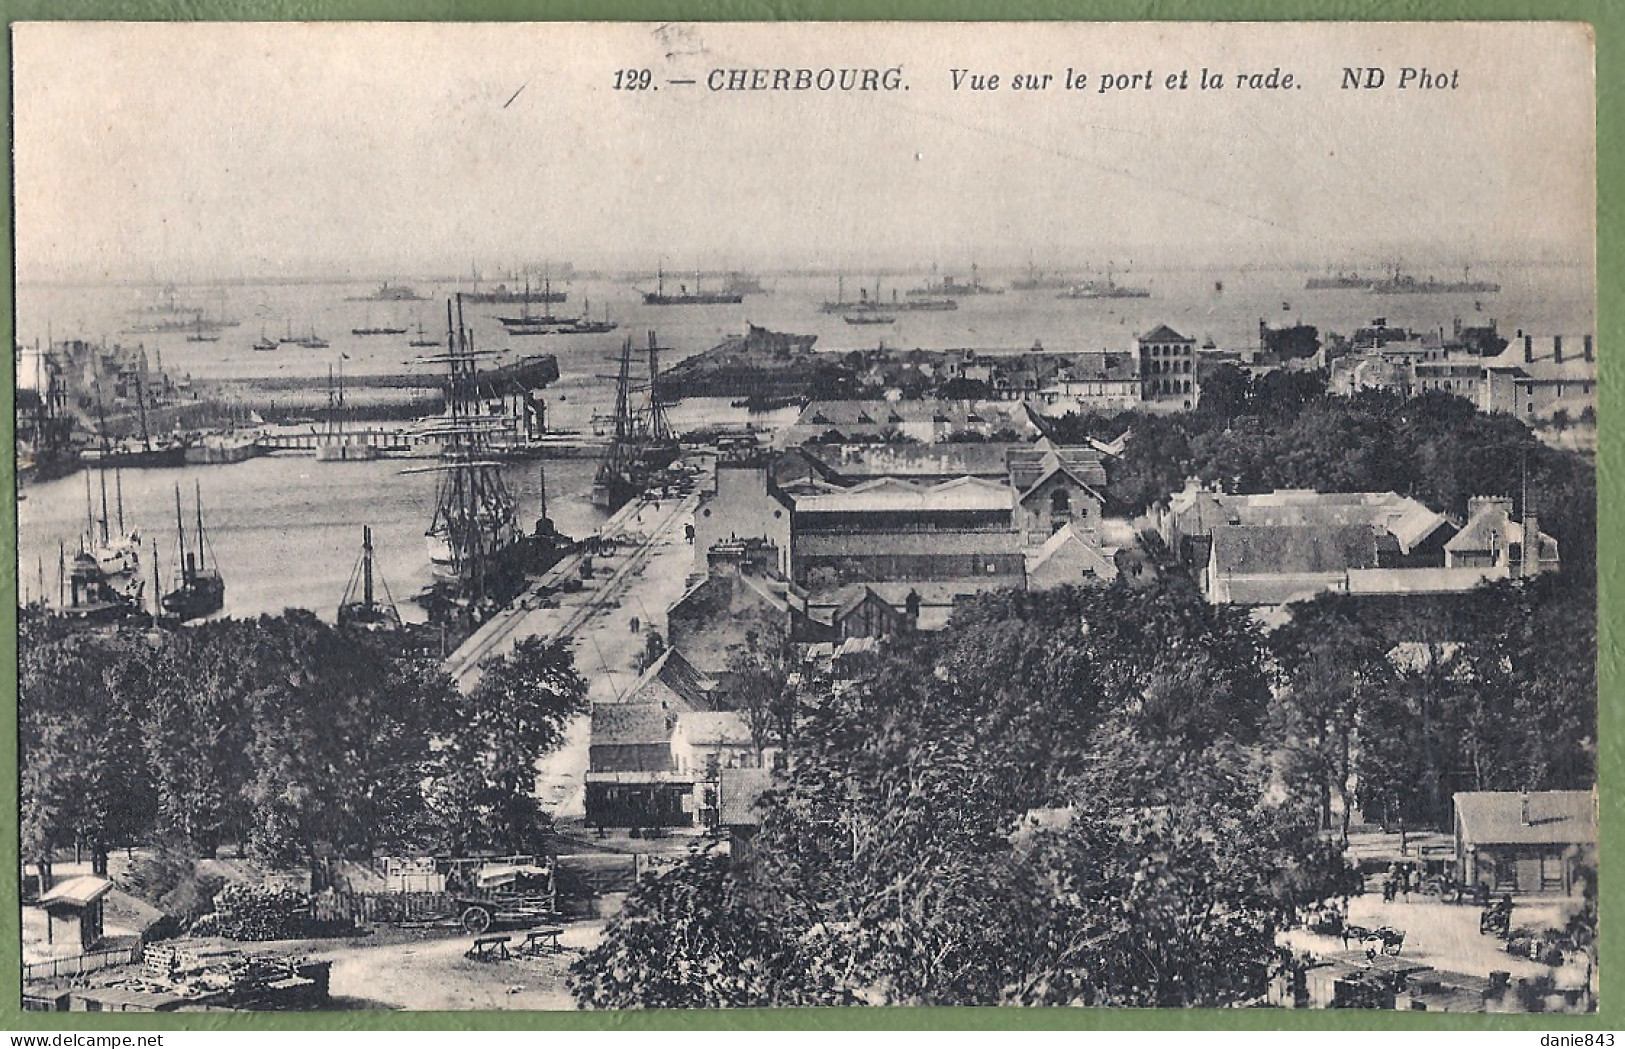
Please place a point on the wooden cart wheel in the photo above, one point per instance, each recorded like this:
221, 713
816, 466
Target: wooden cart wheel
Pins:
476, 920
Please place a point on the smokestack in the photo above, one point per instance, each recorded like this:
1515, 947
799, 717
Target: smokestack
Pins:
1528, 348
1557, 349
1590, 351
1523, 808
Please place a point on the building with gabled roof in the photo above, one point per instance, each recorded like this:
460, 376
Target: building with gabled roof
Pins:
1492, 538
632, 779
1068, 558
73, 911
1528, 843
725, 615
1288, 545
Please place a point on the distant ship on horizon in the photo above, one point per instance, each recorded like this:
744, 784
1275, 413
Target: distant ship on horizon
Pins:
1405, 284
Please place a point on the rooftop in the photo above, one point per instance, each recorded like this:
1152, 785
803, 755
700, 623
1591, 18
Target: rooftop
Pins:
1287, 549
896, 495
630, 724
1554, 817
1163, 333
77, 892
715, 728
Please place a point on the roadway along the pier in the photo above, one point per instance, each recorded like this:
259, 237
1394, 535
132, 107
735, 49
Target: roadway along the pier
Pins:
574, 611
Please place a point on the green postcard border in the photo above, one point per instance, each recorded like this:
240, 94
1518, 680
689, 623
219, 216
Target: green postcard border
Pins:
1608, 21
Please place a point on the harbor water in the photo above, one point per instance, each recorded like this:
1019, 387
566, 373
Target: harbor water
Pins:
286, 529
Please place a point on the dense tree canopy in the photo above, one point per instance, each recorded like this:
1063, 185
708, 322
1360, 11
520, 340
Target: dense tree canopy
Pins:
1280, 430
281, 735
900, 862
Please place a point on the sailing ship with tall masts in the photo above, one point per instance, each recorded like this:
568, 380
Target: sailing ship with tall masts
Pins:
105, 582
199, 588
479, 551
45, 448
643, 442
147, 451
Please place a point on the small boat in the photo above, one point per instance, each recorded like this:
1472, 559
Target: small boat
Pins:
264, 344
363, 611
423, 340
868, 318
200, 590
202, 335
377, 331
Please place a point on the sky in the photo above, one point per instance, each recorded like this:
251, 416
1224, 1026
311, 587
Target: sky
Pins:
194, 151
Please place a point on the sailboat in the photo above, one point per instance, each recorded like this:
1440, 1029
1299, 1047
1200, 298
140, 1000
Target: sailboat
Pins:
105, 580
644, 443
201, 334
423, 338
364, 611
528, 323
478, 551
335, 445
264, 344
199, 589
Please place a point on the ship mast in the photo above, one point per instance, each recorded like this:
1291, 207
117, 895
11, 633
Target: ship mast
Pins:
180, 531
200, 546
475, 511
659, 429
366, 565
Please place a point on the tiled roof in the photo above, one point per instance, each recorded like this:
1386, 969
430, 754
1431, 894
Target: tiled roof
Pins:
1067, 543
1282, 549
1555, 817
1163, 333
628, 724
77, 892
1028, 466
714, 728
892, 494
741, 790
691, 689
858, 544
1415, 525
911, 460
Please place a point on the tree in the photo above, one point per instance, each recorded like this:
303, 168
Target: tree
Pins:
896, 864
515, 715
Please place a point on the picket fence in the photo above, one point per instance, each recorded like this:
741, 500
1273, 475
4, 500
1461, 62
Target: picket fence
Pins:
371, 908
81, 963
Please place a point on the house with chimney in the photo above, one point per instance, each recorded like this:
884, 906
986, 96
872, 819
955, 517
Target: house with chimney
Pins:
1529, 843
1493, 538
1537, 376
632, 777
1274, 548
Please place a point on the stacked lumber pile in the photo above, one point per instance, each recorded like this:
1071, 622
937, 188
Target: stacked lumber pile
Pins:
228, 976
245, 912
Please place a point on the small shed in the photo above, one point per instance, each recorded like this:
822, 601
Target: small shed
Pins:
1530, 843
74, 911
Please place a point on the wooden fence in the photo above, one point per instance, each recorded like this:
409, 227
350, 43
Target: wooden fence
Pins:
370, 908
81, 963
